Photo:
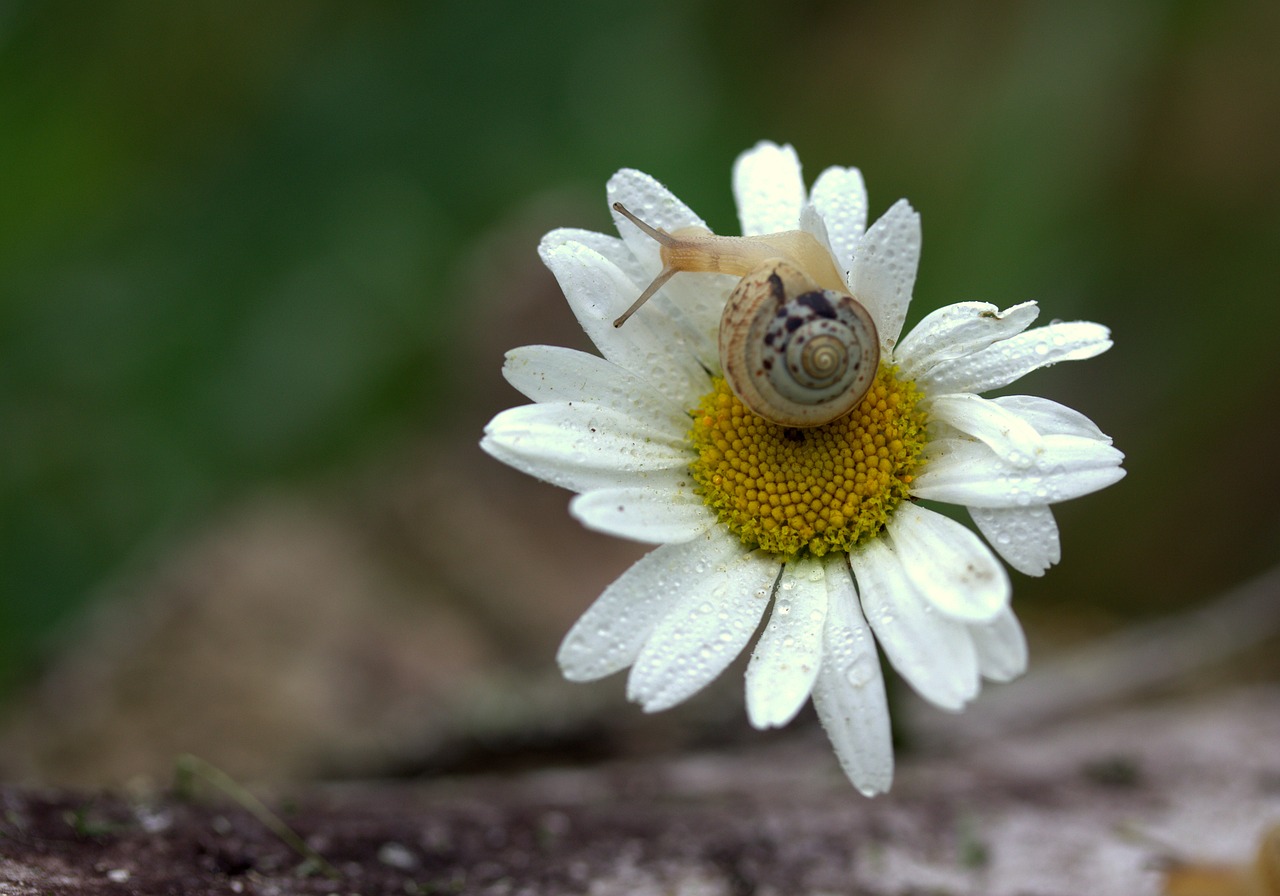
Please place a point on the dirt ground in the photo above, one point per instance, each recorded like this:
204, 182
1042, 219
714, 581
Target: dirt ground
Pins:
1100, 805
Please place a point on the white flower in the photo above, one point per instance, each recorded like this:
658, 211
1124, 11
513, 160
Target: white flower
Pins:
645, 437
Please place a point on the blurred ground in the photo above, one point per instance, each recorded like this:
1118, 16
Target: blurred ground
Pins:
1104, 805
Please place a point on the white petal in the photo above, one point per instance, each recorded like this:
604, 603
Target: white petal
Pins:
652, 203
970, 474
712, 621
933, 653
789, 652
840, 196
849, 693
955, 331
609, 635
656, 347
664, 509
1001, 646
1050, 418
613, 249
1002, 363
553, 373
884, 270
691, 303
812, 223
1026, 537
581, 446
1013, 439
768, 189
949, 565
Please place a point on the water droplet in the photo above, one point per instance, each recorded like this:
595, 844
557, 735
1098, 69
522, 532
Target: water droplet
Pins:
859, 672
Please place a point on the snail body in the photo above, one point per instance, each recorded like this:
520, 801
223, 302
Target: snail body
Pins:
795, 347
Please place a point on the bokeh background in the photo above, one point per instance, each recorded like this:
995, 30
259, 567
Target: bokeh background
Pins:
259, 263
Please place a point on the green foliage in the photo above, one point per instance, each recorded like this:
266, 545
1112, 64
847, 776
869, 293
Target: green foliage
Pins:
230, 231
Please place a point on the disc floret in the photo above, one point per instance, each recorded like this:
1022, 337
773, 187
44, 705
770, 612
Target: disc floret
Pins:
792, 491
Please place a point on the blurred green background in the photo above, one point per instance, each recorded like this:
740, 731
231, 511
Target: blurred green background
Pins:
232, 237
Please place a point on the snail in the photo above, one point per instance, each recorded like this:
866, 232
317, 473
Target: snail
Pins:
795, 347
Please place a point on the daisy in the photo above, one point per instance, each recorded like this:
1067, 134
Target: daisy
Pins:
825, 530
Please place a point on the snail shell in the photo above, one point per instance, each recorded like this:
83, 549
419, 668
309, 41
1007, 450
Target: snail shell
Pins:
795, 347
794, 353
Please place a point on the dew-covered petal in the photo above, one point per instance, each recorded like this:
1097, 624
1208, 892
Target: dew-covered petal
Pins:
1003, 362
787, 656
959, 330
582, 446
1026, 537
1013, 439
553, 373
612, 248
849, 692
1051, 418
969, 473
884, 270
652, 203
691, 303
695, 301
608, 637
949, 565
664, 509
656, 347
768, 189
812, 223
1001, 646
715, 617
934, 653
840, 197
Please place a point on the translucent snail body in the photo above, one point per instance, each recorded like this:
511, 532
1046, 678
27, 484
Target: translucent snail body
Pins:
795, 347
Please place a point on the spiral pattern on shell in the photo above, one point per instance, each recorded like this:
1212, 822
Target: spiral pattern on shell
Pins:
796, 354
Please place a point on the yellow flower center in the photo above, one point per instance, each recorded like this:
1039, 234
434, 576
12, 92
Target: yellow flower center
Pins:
826, 488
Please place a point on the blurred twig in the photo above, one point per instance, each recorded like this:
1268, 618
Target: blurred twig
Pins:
189, 767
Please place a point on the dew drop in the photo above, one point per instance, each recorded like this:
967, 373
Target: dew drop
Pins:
859, 672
